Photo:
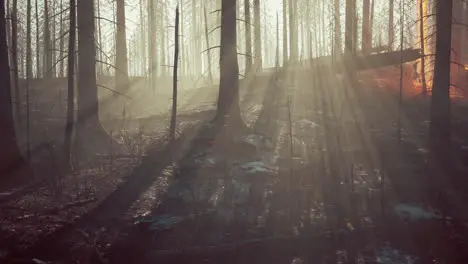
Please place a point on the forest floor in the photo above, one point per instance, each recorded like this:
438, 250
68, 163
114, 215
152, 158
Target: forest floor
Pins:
321, 178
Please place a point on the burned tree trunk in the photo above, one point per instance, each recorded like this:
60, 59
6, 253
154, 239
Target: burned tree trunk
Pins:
228, 110
439, 132
422, 39
10, 156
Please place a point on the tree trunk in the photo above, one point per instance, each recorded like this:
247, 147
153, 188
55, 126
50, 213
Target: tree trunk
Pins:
391, 31
440, 104
366, 37
151, 46
422, 40
350, 21
285, 33
29, 74
10, 156
71, 89
14, 57
174, 76
38, 47
228, 110
293, 45
208, 51
88, 124
121, 74
48, 72
337, 17
248, 38
62, 44
258, 41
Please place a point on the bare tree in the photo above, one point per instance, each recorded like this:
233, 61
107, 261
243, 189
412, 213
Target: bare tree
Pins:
10, 156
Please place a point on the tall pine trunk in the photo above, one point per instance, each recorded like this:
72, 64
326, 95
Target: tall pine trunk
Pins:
228, 110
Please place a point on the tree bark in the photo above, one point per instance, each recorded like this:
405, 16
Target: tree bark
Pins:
174, 76
88, 124
38, 47
208, 51
285, 33
10, 156
391, 31
350, 17
366, 37
228, 111
422, 40
257, 33
121, 74
337, 17
248, 37
439, 131
14, 57
71, 89
293, 45
48, 72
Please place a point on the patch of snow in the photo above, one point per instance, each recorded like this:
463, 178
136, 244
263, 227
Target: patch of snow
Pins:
413, 212
304, 123
256, 167
389, 255
162, 222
